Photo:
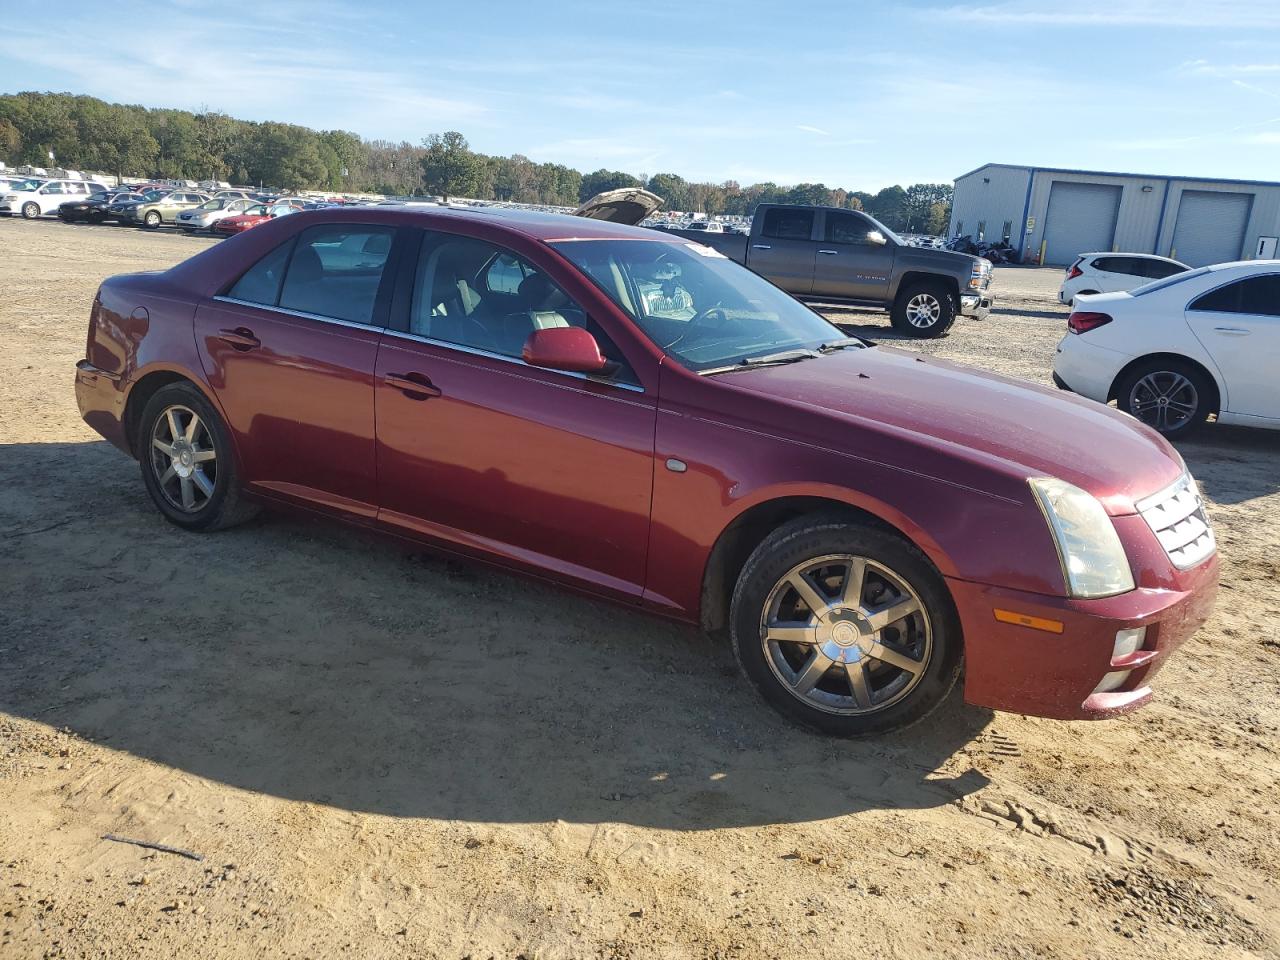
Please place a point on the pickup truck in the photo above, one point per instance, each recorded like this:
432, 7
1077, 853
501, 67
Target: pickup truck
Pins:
830, 255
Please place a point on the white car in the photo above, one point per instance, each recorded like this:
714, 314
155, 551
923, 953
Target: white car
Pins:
210, 212
1174, 351
1112, 272
35, 198
710, 226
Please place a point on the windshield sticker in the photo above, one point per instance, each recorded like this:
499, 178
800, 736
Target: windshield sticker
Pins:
705, 251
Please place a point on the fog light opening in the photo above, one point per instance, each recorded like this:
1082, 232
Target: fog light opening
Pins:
1127, 642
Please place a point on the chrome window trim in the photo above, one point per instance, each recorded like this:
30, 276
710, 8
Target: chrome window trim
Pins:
515, 361
298, 313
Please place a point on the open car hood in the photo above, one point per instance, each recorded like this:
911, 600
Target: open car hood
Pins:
629, 205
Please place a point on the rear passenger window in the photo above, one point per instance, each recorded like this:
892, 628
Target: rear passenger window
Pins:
261, 283
1256, 295
335, 271
784, 224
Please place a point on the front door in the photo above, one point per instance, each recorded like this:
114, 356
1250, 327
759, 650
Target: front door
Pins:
1239, 325
784, 249
548, 471
290, 351
850, 266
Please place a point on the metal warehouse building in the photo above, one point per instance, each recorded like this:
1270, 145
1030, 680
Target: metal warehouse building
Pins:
1053, 215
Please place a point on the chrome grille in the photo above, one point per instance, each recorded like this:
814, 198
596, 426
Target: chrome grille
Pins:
1177, 517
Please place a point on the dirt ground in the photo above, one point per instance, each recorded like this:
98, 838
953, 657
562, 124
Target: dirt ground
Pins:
381, 754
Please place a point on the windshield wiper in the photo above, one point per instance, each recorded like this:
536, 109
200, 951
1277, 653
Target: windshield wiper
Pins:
844, 344
768, 360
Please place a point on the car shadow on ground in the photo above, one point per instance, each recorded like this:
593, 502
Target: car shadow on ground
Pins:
1233, 464
304, 660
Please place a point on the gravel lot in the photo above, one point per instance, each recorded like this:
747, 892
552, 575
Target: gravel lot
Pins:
379, 753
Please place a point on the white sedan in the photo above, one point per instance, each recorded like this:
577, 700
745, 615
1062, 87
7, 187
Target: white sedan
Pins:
1112, 272
1177, 350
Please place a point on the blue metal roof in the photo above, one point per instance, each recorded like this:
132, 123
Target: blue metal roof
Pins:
1112, 173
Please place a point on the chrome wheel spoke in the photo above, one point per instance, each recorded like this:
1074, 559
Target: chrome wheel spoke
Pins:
818, 664
192, 426
204, 456
809, 593
168, 475
895, 658
892, 613
202, 482
165, 448
854, 581
174, 431
188, 493
858, 686
789, 633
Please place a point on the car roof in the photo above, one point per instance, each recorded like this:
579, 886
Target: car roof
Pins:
1140, 256
533, 224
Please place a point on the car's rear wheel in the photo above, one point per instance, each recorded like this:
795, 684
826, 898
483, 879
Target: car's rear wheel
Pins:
152, 219
31, 210
188, 466
924, 310
845, 628
1170, 396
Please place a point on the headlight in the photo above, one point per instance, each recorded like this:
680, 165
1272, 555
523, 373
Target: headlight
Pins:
1093, 559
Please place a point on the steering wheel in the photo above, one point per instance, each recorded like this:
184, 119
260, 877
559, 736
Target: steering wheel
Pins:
712, 318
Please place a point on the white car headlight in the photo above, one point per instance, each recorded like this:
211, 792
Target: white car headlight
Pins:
1093, 559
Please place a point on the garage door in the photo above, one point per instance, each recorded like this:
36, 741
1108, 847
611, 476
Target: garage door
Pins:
1210, 227
1081, 219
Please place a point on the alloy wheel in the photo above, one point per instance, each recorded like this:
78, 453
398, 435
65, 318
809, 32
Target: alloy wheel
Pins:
183, 459
923, 310
846, 635
1164, 399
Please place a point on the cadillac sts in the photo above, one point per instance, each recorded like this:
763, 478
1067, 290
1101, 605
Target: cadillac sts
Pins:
632, 415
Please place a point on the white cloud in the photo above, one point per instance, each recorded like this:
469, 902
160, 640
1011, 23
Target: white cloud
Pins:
1219, 14
1207, 69
808, 129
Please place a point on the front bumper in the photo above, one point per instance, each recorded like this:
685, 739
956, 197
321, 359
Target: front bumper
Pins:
976, 305
1024, 670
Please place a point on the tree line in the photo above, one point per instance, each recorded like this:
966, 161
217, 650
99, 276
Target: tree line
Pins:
90, 134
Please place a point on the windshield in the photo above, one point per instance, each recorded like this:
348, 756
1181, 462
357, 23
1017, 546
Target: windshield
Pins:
695, 303
1152, 287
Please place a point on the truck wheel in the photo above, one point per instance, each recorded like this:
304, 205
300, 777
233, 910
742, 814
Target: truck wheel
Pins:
925, 309
845, 628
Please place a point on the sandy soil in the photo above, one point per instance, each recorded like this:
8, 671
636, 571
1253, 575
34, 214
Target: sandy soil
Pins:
379, 753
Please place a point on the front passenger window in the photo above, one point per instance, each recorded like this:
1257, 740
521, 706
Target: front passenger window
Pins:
846, 228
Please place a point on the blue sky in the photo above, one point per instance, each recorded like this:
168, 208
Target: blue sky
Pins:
852, 94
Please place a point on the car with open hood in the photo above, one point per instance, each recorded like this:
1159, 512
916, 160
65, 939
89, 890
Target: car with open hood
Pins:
634, 416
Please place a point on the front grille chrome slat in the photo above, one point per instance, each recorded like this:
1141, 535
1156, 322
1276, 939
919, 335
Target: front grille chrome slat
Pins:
1177, 517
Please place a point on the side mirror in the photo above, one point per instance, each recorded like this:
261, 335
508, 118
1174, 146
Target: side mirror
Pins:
876, 237
571, 349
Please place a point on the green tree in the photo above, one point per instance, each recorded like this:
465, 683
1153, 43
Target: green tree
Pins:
602, 180
449, 168
918, 202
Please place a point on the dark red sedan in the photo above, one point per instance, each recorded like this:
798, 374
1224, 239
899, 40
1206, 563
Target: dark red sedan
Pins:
229, 226
632, 415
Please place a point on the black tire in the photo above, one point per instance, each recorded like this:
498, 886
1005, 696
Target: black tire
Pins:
152, 219
938, 642
933, 296
31, 210
222, 508
1191, 396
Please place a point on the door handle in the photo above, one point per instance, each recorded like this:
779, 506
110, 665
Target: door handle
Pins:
241, 338
416, 386
761, 246
1233, 331
828, 252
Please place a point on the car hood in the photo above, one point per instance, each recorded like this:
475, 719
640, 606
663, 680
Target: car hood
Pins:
629, 205
1034, 430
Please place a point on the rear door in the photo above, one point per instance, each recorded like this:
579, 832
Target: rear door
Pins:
786, 247
1239, 324
290, 349
848, 265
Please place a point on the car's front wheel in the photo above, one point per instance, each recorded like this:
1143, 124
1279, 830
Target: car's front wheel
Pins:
152, 219
1168, 395
31, 210
924, 310
188, 466
844, 627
